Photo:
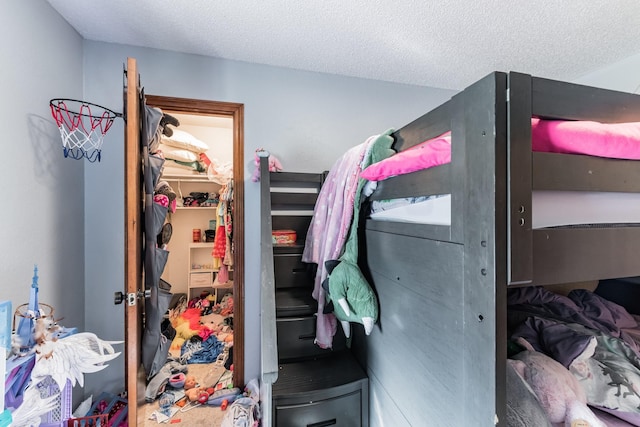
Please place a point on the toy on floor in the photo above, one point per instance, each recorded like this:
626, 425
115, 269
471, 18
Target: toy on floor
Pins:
190, 382
229, 395
196, 394
558, 391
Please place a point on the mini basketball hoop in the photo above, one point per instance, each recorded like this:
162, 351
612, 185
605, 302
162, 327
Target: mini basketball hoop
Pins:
82, 127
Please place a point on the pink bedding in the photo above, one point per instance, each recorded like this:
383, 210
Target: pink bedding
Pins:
613, 140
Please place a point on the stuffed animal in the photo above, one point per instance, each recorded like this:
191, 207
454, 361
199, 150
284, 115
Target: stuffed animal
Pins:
274, 163
352, 297
558, 391
523, 407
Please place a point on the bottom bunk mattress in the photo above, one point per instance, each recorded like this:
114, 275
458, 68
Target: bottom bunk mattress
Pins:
550, 209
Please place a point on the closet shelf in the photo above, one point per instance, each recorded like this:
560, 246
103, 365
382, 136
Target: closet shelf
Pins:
187, 178
201, 245
195, 208
203, 270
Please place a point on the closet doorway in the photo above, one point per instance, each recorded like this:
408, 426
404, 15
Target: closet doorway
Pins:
220, 125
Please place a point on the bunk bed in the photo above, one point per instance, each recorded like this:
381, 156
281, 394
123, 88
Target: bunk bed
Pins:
437, 355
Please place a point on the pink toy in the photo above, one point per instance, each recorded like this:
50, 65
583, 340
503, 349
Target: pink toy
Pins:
274, 163
558, 391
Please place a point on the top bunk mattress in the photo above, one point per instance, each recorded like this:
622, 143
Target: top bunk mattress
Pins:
550, 209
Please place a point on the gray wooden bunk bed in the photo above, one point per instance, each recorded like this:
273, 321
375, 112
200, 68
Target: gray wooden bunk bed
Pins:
437, 355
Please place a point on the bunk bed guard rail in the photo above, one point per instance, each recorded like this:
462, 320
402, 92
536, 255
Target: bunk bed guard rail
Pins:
534, 254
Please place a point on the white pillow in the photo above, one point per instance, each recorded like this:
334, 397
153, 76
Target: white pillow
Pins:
184, 140
178, 154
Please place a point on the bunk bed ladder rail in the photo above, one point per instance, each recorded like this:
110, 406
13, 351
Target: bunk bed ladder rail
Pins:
268, 338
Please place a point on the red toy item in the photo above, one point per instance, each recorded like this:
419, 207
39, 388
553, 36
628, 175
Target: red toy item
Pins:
224, 404
203, 397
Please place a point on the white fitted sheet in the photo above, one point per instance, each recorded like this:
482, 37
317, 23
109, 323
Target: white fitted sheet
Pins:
550, 209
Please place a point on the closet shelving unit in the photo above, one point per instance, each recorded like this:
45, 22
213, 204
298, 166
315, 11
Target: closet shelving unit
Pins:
315, 386
192, 269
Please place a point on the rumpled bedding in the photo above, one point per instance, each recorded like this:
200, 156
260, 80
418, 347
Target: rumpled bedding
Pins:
587, 334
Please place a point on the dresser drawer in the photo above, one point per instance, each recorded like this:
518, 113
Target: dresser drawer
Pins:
296, 337
290, 271
341, 411
200, 280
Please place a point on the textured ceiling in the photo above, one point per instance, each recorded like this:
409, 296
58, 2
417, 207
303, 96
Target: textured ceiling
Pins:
441, 43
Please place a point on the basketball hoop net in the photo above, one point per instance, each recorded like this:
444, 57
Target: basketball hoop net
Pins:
82, 127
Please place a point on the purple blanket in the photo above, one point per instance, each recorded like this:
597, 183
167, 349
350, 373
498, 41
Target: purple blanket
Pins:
329, 229
580, 306
586, 333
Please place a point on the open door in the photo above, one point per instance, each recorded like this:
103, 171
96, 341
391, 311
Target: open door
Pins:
138, 275
133, 243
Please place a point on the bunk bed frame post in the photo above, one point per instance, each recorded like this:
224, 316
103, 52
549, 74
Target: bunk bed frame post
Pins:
519, 220
268, 337
485, 238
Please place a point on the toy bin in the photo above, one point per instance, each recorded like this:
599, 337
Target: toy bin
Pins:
58, 416
93, 421
117, 412
114, 407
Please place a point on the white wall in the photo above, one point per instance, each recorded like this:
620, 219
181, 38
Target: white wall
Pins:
306, 119
42, 192
623, 76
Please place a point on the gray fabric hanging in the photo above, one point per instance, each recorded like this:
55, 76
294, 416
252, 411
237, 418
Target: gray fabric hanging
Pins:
154, 258
154, 338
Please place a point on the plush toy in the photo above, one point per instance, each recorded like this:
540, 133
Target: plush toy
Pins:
523, 407
274, 163
351, 295
212, 323
558, 391
183, 333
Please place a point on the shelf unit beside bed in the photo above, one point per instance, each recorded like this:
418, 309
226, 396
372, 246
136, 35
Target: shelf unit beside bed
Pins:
438, 354
315, 386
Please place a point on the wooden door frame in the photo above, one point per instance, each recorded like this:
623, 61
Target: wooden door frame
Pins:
236, 112
133, 262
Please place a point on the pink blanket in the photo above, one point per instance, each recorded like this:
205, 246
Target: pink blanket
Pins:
329, 229
613, 140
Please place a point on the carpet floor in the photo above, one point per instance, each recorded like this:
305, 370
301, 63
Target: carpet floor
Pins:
199, 415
